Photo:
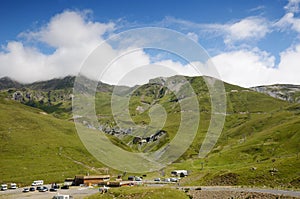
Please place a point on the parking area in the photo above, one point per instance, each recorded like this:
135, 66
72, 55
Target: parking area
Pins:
76, 192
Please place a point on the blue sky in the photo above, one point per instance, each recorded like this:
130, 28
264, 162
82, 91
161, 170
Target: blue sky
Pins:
251, 42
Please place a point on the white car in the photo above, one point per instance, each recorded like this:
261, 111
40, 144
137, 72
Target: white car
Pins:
25, 190
174, 179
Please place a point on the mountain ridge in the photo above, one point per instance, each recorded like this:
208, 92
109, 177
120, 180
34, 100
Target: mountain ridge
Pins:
287, 92
260, 133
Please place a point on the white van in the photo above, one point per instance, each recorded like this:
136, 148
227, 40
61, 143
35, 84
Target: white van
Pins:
3, 187
13, 186
37, 183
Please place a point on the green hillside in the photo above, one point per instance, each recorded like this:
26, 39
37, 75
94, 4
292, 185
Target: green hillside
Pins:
35, 145
259, 145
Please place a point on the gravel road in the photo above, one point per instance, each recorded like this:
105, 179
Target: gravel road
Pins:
76, 192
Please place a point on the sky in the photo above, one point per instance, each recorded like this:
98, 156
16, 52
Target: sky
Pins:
250, 43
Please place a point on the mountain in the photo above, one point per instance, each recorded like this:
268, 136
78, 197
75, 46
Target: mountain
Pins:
287, 92
35, 145
6, 82
259, 144
52, 96
53, 84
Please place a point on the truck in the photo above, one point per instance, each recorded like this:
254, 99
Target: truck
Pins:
37, 183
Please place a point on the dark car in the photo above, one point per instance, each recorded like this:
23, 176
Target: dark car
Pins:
44, 189
56, 187
25, 190
31, 189
131, 178
39, 188
53, 189
65, 187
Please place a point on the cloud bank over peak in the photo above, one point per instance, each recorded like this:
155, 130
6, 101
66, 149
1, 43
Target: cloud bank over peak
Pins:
72, 36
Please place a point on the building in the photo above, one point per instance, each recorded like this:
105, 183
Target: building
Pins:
89, 180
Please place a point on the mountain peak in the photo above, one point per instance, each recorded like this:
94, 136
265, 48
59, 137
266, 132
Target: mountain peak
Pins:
7, 82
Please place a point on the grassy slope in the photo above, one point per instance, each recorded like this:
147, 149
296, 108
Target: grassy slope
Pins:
263, 142
260, 132
37, 146
141, 192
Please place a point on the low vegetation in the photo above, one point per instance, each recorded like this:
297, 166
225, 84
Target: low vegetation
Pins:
141, 192
259, 145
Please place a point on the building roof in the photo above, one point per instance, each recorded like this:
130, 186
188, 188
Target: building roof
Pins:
93, 177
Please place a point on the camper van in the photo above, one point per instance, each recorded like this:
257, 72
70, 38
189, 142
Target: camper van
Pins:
3, 187
181, 173
37, 183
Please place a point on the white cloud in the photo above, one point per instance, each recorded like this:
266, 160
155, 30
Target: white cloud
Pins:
257, 8
289, 21
254, 67
292, 6
20, 62
248, 28
245, 68
289, 67
71, 35
70, 29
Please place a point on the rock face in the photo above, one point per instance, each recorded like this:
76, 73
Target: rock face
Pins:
287, 92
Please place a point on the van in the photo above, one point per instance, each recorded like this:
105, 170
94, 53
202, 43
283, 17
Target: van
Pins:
13, 186
3, 187
37, 182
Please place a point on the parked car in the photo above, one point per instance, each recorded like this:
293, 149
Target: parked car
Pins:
25, 190
62, 197
37, 182
131, 178
157, 179
65, 187
138, 178
3, 187
31, 189
56, 186
39, 188
44, 189
13, 186
174, 179
53, 189
167, 180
